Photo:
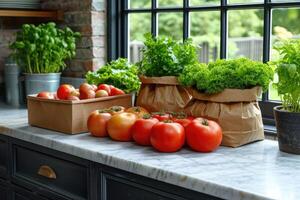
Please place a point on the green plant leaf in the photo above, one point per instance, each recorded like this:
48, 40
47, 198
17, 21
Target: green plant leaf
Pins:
44, 48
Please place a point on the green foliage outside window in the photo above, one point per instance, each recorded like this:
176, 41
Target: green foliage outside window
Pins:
206, 28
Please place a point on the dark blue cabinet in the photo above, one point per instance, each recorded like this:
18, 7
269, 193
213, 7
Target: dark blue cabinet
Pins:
19, 193
58, 175
4, 192
32, 172
131, 190
4, 158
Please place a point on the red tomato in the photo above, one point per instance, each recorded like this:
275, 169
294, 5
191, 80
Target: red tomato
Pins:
87, 94
203, 135
104, 87
119, 126
85, 87
183, 121
138, 111
101, 93
141, 130
161, 116
64, 91
45, 95
72, 98
97, 123
167, 136
116, 91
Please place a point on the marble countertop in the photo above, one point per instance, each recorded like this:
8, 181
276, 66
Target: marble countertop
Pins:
255, 171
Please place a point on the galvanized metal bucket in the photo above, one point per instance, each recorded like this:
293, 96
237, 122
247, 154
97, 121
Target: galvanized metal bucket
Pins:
35, 83
13, 86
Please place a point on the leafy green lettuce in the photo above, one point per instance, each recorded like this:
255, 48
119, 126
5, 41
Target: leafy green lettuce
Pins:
241, 73
118, 73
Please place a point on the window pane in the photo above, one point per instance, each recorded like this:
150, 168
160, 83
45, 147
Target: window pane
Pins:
139, 3
284, 26
245, 34
285, 0
245, 1
205, 32
204, 2
139, 24
171, 25
170, 3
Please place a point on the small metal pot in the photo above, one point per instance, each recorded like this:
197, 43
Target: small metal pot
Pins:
288, 130
35, 83
13, 85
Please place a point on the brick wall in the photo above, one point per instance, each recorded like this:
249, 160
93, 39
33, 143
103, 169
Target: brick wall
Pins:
88, 18
85, 16
7, 35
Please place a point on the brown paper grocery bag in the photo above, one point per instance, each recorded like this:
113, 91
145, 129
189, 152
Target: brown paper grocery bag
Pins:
237, 112
163, 94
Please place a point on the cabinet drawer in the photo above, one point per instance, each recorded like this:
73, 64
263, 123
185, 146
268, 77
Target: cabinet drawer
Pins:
130, 190
58, 175
3, 158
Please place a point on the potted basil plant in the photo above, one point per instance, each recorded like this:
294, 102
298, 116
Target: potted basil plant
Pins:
41, 51
287, 115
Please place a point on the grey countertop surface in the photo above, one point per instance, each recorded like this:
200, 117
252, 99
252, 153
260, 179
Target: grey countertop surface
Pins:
254, 171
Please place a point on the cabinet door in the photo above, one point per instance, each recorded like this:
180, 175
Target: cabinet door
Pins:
22, 196
18, 196
117, 184
4, 193
115, 188
3, 158
19, 193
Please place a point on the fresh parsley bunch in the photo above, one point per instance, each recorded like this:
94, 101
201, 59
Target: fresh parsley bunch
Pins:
163, 56
118, 73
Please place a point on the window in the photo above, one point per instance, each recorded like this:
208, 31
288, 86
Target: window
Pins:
222, 28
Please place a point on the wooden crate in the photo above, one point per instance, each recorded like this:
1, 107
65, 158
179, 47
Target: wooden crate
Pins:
69, 116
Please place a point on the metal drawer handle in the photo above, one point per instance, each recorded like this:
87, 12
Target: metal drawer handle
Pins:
47, 172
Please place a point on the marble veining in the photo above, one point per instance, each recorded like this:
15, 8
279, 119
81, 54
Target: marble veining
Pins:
255, 171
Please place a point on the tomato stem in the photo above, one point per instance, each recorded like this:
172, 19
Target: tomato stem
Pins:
146, 116
116, 108
103, 111
205, 122
137, 109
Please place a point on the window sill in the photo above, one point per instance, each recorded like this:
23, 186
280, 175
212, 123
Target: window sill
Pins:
270, 132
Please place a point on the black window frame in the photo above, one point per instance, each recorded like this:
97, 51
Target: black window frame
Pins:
117, 31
